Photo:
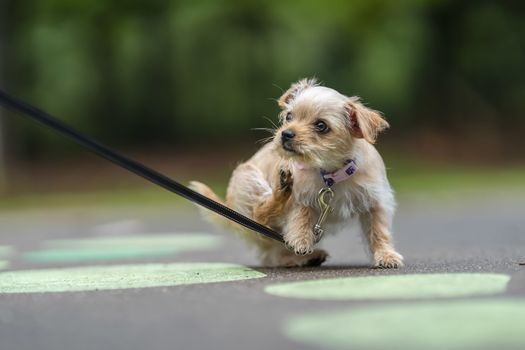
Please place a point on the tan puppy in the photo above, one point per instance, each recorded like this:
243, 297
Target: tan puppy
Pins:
322, 131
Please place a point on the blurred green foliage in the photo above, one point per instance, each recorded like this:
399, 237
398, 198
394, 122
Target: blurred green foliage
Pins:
185, 72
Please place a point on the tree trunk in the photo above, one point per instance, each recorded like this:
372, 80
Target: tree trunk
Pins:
3, 162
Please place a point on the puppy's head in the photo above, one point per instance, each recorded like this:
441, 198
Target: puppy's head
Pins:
320, 125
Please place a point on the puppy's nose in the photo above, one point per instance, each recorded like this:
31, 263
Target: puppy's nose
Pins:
287, 135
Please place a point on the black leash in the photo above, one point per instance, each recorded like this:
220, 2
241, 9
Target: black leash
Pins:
151, 175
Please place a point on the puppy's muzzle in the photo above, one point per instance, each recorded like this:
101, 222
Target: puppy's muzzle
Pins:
287, 137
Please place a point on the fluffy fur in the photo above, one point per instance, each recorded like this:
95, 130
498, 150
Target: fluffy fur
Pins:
278, 186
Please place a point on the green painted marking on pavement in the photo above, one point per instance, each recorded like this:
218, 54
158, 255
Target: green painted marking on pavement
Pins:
414, 286
115, 248
4, 264
487, 324
121, 277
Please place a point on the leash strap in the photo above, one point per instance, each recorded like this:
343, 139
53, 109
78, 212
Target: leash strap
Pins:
139, 169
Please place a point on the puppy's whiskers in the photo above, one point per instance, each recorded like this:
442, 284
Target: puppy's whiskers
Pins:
265, 139
270, 130
275, 126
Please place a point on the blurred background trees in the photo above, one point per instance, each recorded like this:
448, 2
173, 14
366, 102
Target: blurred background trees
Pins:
181, 73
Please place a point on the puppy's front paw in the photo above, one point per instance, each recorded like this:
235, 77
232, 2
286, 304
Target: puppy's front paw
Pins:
388, 259
285, 180
300, 245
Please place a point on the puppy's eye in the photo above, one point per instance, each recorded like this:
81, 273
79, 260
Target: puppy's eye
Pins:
320, 126
289, 116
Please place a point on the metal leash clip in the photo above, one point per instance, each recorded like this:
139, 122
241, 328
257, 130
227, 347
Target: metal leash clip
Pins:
324, 198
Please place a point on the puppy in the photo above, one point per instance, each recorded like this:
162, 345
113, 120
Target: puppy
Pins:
325, 141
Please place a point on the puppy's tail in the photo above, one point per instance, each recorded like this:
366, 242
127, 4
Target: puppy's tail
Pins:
209, 215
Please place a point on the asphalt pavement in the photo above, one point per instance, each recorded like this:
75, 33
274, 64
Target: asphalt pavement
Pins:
78, 278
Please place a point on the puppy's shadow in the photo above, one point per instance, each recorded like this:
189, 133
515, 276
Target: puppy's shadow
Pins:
317, 271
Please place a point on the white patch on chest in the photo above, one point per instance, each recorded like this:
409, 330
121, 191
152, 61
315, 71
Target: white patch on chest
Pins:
349, 198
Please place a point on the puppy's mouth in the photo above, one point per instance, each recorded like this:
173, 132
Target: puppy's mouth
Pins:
287, 146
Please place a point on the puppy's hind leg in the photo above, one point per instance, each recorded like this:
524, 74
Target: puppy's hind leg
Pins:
246, 190
271, 212
272, 207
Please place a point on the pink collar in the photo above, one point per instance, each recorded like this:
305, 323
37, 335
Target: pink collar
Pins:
337, 176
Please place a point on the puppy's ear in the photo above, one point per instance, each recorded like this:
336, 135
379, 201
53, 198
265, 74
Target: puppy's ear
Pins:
364, 122
295, 90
